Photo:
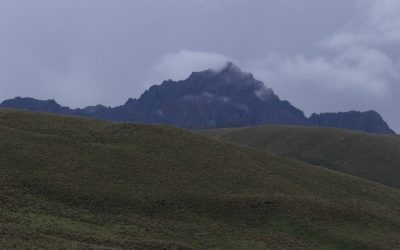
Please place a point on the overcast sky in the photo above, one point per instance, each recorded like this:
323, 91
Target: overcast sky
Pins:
321, 55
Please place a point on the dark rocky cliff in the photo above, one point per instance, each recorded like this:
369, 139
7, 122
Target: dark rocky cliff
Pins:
369, 121
211, 99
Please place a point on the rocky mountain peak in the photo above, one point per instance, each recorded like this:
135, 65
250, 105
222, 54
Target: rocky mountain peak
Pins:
227, 97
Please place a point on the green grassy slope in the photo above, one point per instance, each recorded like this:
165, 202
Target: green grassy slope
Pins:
76, 183
375, 157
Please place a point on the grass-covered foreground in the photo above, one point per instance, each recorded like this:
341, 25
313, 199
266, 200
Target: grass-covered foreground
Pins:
78, 183
370, 156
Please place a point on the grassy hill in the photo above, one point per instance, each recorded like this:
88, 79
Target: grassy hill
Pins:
78, 183
375, 157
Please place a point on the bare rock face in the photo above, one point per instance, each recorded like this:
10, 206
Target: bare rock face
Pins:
369, 121
32, 104
211, 99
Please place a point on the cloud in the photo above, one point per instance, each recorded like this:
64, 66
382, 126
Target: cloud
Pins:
352, 79
180, 65
375, 23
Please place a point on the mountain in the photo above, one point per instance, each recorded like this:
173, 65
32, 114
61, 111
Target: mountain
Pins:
49, 106
374, 157
210, 99
72, 183
369, 121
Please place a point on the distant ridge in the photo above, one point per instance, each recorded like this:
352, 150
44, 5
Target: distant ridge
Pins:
370, 121
211, 99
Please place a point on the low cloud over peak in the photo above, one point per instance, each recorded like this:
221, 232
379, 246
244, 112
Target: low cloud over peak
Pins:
179, 65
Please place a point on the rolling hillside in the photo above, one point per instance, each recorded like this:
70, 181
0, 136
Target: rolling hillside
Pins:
78, 183
375, 157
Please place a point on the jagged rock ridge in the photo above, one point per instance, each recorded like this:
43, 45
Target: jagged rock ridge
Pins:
211, 99
369, 121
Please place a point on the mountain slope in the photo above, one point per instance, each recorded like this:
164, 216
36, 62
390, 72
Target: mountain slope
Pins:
211, 99
77, 183
206, 99
375, 157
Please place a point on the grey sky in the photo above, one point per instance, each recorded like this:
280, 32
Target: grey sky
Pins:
321, 55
